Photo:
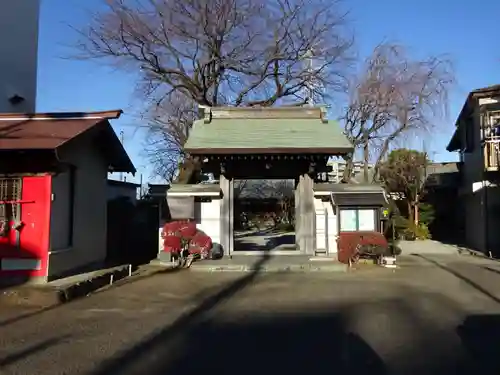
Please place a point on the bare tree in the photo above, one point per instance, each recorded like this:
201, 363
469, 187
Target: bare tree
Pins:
395, 97
223, 52
168, 125
243, 52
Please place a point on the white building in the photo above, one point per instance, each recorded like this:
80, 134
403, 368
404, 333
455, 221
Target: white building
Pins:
338, 167
19, 20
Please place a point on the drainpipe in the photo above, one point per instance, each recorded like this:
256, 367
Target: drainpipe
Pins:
484, 212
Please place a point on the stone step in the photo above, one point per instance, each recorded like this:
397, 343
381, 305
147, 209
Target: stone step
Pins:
305, 267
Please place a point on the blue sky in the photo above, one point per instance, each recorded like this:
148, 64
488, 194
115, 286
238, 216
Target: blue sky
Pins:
464, 29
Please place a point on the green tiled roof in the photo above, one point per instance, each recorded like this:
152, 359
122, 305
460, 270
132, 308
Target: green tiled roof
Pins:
253, 135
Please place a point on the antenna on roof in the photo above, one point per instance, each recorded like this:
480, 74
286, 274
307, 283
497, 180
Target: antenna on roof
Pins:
122, 178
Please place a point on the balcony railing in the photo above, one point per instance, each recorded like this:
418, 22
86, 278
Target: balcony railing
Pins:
492, 153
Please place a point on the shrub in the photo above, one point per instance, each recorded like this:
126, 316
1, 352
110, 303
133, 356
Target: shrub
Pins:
348, 241
407, 230
417, 232
426, 213
422, 232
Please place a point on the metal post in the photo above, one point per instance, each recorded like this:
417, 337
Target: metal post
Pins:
121, 140
327, 233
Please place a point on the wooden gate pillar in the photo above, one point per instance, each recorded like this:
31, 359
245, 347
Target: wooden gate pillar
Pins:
227, 215
305, 215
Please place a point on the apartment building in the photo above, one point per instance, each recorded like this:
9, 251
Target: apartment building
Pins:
477, 140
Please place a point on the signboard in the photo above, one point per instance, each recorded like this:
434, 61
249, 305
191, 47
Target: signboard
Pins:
366, 219
352, 220
348, 220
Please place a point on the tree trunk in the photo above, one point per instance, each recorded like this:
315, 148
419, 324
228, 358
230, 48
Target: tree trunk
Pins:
384, 150
349, 165
410, 211
189, 171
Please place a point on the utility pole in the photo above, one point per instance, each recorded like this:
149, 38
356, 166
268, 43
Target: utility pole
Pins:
141, 188
121, 140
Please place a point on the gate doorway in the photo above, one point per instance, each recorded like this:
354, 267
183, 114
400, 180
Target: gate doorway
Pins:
264, 216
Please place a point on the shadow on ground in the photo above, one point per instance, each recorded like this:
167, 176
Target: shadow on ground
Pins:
264, 241
30, 350
480, 335
309, 340
462, 277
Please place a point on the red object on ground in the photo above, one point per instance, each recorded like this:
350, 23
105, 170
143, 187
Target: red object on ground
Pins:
347, 242
188, 229
175, 231
172, 244
200, 244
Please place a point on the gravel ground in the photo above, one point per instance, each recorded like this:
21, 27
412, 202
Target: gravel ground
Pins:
435, 315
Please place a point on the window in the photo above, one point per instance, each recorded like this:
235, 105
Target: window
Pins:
10, 192
355, 219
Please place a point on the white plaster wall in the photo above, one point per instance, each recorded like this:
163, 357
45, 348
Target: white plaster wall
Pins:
160, 239
325, 209
210, 219
320, 224
19, 46
90, 211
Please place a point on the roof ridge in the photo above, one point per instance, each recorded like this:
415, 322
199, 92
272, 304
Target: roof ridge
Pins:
280, 112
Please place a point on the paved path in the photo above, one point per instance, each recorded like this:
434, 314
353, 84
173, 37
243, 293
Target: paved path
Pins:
430, 317
427, 247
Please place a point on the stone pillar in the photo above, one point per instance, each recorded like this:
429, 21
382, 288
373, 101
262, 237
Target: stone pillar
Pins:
226, 215
305, 214
231, 216
297, 215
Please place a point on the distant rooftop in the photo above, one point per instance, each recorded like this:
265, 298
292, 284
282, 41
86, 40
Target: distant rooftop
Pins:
50, 131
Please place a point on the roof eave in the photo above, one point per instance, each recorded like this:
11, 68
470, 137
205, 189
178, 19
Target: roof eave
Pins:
455, 144
486, 92
120, 160
105, 115
270, 150
127, 167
